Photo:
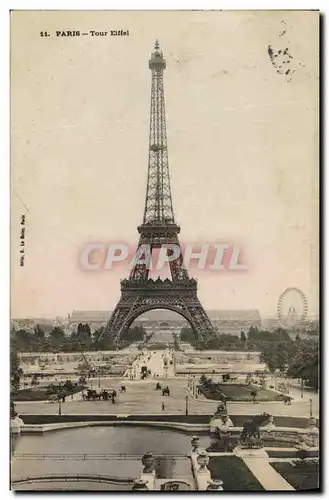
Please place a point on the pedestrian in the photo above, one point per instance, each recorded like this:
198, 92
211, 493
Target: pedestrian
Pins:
113, 399
163, 406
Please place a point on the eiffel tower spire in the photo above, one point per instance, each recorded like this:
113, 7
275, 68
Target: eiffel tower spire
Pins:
158, 205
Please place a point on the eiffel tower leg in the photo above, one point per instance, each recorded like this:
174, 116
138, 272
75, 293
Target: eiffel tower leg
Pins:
199, 319
118, 319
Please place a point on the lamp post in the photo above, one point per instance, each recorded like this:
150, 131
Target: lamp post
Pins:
59, 405
302, 389
186, 405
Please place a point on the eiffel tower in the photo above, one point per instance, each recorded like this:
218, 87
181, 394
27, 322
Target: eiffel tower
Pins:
140, 293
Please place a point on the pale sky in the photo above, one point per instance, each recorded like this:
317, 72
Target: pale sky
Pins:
242, 141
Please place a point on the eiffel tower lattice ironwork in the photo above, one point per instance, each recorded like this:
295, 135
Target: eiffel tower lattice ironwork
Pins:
139, 293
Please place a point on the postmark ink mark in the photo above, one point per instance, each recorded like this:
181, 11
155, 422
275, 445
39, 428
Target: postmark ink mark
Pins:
280, 55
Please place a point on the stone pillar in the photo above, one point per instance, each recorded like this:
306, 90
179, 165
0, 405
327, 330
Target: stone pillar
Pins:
15, 431
312, 423
313, 433
148, 462
195, 442
203, 461
215, 485
140, 485
148, 474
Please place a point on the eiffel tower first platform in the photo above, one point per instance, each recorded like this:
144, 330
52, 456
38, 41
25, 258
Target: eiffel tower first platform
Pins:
139, 293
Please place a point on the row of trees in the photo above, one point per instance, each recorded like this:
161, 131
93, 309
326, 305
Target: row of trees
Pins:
63, 389
223, 341
134, 334
16, 372
295, 359
56, 340
254, 340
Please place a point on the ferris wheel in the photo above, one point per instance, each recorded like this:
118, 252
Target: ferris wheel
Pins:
292, 307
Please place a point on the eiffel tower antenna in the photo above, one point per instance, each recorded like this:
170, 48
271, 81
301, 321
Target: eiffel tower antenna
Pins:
139, 293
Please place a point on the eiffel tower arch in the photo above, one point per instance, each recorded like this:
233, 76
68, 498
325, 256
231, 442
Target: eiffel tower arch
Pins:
139, 292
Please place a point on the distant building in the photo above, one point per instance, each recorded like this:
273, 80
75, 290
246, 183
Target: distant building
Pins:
95, 319
231, 322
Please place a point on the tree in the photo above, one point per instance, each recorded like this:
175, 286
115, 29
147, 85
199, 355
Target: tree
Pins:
277, 354
305, 363
134, 334
176, 342
57, 332
187, 335
35, 381
243, 336
254, 395
57, 390
84, 331
39, 333
16, 372
253, 332
22, 340
13, 411
281, 354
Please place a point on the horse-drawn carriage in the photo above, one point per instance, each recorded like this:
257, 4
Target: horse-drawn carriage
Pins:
94, 395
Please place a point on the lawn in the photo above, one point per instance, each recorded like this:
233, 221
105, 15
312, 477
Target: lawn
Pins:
240, 392
36, 394
302, 475
234, 473
289, 453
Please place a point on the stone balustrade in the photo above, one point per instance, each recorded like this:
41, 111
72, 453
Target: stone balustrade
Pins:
289, 435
